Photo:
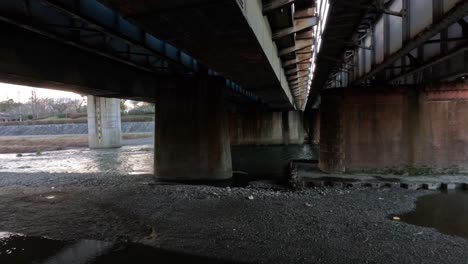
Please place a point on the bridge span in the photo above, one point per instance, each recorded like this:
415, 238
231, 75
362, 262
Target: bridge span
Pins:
379, 84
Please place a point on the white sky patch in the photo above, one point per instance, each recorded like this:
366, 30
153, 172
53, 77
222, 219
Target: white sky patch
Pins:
23, 93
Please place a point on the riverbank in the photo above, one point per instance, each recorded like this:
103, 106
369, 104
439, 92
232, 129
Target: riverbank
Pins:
39, 144
252, 224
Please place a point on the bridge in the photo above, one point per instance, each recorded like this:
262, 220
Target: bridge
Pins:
379, 84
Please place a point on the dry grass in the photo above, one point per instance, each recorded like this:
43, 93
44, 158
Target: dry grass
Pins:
137, 136
28, 145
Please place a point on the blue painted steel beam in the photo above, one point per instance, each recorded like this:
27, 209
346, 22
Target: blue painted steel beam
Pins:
125, 38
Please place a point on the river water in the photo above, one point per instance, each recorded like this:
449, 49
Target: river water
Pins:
268, 161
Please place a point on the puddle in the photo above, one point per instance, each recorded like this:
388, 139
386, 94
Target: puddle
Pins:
18, 249
447, 212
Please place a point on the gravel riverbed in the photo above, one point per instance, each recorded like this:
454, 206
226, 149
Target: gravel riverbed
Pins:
255, 224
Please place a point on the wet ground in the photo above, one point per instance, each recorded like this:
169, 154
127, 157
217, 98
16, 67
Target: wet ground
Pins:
445, 211
253, 224
102, 206
21, 249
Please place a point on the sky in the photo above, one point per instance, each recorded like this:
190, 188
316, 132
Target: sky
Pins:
10, 91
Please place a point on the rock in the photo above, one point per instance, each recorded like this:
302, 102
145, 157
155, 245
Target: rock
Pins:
449, 186
410, 185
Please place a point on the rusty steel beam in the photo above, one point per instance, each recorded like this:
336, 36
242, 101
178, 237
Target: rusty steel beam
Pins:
299, 45
453, 16
275, 4
298, 25
432, 62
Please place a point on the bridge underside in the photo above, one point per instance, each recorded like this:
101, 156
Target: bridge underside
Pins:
392, 42
392, 93
216, 33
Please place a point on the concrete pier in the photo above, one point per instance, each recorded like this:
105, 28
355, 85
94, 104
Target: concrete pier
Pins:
256, 127
192, 137
413, 129
104, 122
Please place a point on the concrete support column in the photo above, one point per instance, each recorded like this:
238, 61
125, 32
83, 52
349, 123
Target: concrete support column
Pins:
258, 127
104, 123
314, 135
412, 129
332, 152
295, 128
192, 137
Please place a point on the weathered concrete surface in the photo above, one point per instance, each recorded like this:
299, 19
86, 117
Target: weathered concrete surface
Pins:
255, 127
104, 122
312, 126
418, 129
373, 124
309, 175
331, 158
295, 127
192, 136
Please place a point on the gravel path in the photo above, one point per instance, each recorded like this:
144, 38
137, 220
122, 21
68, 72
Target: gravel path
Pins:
323, 225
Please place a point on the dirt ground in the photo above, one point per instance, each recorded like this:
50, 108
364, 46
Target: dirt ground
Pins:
274, 226
32, 144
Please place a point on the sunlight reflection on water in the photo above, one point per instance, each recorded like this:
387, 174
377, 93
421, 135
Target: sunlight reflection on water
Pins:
126, 160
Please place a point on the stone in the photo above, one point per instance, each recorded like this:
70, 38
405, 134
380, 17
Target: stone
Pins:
391, 184
353, 184
410, 185
337, 184
431, 186
317, 184
449, 186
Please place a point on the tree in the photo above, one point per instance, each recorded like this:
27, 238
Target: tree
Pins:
60, 105
142, 108
78, 104
8, 105
34, 101
123, 106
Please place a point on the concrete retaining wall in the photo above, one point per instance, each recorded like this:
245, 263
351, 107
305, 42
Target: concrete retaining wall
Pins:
70, 129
